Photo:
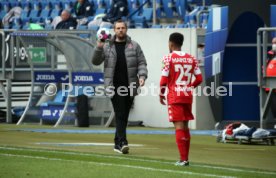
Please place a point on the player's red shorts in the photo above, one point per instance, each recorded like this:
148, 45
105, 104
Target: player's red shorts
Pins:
180, 112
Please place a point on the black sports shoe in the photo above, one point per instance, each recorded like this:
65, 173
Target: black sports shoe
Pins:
121, 149
182, 163
117, 149
124, 149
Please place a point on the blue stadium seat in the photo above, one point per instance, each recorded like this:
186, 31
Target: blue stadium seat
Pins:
58, 100
48, 27
100, 11
24, 14
35, 12
25, 22
147, 13
93, 27
160, 9
3, 13
37, 20
156, 26
26, 11
44, 4
106, 25
54, 1
133, 13
25, 27
23, 1
192, 21
133, 4
181, 26
17, 24
82, 27
100, 3
169, 26
45, 13
108, 3
15, 3
94, 2
181, 8
68, 5
55, 13
169, 8
56, 10
5, 8
57, 104
204, 20
11, 1
142, 20
186, 19
148, 4
90, 18
26, 5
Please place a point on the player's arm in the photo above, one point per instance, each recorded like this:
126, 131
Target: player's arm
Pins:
164, 79
163, 85
198, 76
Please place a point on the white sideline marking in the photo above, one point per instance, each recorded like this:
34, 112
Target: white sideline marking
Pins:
137, 159
117, 165
237, 149
83, 144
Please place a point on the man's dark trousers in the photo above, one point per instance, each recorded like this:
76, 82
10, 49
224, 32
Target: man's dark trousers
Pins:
121, 106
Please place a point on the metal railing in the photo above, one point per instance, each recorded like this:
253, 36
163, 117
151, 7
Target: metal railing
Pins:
56, 43
263, 80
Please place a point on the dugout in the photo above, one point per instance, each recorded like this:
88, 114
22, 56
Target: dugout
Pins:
55, 59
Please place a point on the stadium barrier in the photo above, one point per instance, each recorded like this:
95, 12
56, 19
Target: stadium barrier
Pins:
264, 81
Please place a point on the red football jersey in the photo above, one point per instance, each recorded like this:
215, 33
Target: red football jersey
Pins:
177, 74
271, 68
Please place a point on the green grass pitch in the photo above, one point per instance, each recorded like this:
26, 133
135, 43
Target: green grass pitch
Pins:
25, 154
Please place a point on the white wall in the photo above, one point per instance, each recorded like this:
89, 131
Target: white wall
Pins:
154, 43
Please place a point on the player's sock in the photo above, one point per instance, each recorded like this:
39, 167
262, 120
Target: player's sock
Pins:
180, 141
187, 143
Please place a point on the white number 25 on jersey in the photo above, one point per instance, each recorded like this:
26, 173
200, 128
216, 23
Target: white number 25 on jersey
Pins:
185, 71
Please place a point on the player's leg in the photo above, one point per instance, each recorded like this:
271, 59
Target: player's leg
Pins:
180, 115
127, 105
182, 136
188, 116
120, 132
116, 107
121, 109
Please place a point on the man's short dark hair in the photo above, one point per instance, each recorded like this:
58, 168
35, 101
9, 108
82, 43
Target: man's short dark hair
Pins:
177, 38
120, 21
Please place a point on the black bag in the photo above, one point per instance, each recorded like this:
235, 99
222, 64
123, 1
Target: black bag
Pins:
82, 111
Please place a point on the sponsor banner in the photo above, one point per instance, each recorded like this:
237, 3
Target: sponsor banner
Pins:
54, 112
51, 77
87, 78
63, 77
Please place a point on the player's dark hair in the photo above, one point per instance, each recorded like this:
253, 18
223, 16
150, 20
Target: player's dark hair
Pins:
177, 38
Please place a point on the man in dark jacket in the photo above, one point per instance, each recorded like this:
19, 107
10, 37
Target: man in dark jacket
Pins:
83, 8
125, 69
67, 21
119, 8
